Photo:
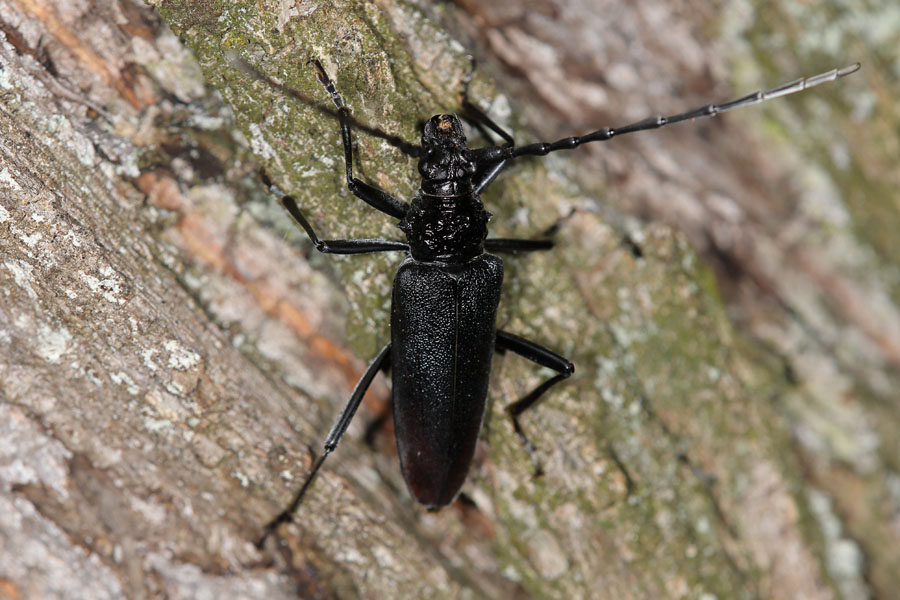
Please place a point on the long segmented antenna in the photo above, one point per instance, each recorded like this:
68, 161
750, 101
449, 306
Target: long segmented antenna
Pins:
710, 110
396, 141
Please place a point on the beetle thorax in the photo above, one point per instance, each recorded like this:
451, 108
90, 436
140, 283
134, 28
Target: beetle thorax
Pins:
447, 229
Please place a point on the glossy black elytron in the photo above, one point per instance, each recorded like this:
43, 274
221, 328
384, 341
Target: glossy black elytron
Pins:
446, 293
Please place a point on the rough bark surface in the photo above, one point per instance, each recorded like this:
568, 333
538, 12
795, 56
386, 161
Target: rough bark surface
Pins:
171, 348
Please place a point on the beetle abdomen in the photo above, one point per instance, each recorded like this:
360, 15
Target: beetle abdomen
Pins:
443, 324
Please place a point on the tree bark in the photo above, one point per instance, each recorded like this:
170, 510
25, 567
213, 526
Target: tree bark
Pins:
174, 352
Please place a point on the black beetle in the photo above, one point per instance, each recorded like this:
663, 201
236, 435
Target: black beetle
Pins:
446, 293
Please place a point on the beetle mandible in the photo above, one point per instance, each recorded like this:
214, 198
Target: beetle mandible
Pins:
447, 290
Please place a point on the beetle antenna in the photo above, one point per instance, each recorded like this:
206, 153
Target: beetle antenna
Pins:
709, 110
411, 150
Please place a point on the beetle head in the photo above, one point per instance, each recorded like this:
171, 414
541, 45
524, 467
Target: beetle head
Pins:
444, 131
446, 165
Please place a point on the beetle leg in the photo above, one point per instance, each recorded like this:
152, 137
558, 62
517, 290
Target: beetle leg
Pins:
545, 358
523, 245
360, 246
487, 173
377, 199
331, 442
516, 245
478, 117
482, 122
385, 415
484, 177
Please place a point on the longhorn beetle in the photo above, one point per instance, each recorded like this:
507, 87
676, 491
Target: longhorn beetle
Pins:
446, 292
